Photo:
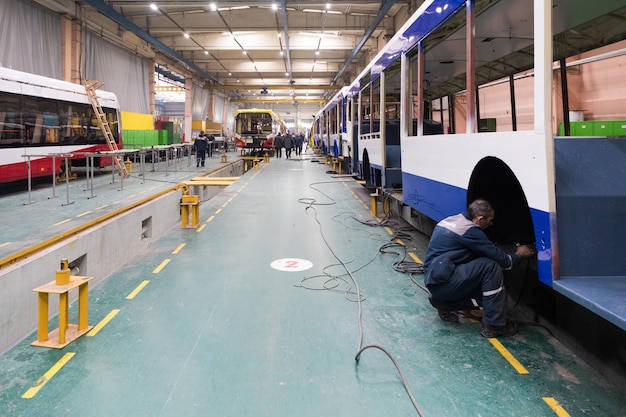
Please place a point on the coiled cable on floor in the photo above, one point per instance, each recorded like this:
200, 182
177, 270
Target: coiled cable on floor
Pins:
310, 205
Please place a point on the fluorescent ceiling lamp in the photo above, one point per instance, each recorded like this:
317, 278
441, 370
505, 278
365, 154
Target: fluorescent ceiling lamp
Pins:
320, 34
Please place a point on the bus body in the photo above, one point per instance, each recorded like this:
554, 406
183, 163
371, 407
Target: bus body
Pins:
255, 129
41, 116
446, 126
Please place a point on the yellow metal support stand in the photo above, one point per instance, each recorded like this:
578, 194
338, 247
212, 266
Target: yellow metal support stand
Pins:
190, 204
266, 158
374, 204
62, 285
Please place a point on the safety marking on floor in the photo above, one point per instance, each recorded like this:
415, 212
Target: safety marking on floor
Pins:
179, 248
83, 214
556, 407
32, 391
103, 322
199, 229
210, 219
291, 264
218, 211
415, 258
225, 204
389, 231
101, 207
131, 196
507, 355
158, 268
61, 222
4, 244
137, 290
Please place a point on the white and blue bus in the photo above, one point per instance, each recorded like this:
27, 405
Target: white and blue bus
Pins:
481, 99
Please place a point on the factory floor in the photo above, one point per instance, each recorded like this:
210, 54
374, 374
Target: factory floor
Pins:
262, 309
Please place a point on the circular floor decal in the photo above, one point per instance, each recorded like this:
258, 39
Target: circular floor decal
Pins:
291, 264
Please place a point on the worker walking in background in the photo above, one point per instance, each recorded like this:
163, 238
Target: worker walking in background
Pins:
201, 144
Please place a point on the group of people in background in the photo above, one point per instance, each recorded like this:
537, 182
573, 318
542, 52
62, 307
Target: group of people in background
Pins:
289, 142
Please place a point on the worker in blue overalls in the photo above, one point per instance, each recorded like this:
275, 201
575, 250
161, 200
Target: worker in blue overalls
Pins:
463, 269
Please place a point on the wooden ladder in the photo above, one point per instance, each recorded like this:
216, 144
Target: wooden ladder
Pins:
91, 87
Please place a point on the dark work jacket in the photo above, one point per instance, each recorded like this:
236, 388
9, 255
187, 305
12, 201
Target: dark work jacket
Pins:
201, 143
456, 240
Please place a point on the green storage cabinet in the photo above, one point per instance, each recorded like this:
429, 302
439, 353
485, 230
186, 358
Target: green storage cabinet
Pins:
602, 128
619, 128
581, 128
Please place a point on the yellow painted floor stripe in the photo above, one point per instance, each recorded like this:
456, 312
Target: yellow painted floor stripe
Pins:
103, 322
400, 242
225, 204
389, 230
61, 222
158, 268
101, 207
136, 290
200, 228
415, 258
179, 248
32, 391
131, 196
218, 211
507, 355
83, 214
230, 199
4, 244
554, 405
210, 218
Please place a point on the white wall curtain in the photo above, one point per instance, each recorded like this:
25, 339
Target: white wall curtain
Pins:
30, 39
122, 72
200, 103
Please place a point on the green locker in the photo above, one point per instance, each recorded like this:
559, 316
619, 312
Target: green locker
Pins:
602, 128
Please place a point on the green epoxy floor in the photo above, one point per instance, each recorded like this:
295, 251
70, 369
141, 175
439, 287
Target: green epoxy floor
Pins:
219, 332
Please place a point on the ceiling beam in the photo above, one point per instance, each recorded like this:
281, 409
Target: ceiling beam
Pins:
271, 87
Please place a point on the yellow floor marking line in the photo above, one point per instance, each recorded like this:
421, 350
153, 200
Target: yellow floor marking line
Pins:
103, 322
61, 222
179, 248
4, 244
507, 355
199, 229
225, 204
131, 196
389, 230
415, 258
101, 207
136, 290
230, 199
158, 268
400, 242
32, 391
83, 214
218, 211
554, 405
210, 219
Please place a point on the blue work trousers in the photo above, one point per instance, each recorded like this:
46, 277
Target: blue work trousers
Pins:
478, 283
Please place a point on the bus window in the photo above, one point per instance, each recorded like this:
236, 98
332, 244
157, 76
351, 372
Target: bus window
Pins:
10, 120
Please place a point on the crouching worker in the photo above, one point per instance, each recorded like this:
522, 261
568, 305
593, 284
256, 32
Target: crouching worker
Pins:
463, 269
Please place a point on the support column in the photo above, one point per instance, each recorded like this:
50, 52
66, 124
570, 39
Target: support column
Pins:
188, 109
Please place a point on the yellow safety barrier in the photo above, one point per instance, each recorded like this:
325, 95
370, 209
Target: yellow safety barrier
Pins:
62, 285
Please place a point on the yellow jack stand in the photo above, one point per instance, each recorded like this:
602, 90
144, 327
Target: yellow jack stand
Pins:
129, 165
224, 157
266, 158
62, 285
190, 204
374, 203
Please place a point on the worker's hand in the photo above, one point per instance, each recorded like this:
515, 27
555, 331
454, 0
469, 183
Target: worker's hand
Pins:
524, 251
